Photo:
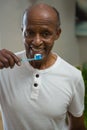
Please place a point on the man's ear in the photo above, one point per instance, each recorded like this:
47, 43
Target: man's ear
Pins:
58, 32
22, 28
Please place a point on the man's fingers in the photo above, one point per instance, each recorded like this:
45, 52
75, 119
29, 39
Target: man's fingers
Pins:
16, 59
8, 59
1, 65
3, 61
11, 59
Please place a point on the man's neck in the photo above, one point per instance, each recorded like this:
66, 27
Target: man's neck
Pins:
46, 64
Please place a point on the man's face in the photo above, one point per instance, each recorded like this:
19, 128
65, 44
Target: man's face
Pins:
39, 34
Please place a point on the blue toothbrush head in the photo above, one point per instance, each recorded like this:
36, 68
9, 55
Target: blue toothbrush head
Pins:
37, 56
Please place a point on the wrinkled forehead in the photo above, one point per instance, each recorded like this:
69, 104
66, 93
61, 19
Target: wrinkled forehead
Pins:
40, 16
40, 22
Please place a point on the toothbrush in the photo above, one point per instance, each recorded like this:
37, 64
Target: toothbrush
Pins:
36, 57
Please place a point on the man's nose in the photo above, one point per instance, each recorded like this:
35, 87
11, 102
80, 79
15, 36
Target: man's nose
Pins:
37, 40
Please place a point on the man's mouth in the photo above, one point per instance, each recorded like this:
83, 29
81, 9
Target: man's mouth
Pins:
37, 50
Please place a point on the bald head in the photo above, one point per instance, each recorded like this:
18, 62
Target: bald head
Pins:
42, 11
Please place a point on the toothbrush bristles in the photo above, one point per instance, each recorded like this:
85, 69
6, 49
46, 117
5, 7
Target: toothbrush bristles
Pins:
38, 56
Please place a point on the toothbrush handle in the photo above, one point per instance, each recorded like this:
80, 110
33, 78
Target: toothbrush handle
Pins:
26, 59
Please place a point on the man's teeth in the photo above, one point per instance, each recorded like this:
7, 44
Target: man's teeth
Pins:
34, 49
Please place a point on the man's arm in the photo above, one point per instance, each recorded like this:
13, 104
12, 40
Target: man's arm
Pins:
76, 123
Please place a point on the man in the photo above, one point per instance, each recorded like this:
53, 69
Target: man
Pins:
38, 95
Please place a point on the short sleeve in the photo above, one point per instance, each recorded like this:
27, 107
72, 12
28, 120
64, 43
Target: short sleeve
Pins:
76, 106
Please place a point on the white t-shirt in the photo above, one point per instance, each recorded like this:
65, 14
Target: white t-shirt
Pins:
33, 99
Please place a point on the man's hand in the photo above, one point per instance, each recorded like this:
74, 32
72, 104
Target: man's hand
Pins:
8, 59
76, 123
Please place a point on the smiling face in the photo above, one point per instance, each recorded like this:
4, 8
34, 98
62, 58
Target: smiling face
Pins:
40, 30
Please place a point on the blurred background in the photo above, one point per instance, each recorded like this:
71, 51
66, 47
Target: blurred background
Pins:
81, 17
69, 46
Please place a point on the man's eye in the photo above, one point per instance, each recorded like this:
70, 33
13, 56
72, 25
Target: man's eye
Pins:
46, 34
29, 33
